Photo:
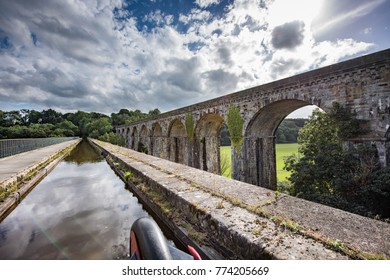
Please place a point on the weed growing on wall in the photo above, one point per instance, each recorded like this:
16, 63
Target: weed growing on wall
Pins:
190, 126
235, 123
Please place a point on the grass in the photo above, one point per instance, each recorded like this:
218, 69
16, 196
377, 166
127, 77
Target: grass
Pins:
282, 151
226, 159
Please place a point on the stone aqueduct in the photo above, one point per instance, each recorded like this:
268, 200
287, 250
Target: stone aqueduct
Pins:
362, 85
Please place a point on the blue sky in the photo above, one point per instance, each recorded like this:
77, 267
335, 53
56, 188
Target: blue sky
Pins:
102, 55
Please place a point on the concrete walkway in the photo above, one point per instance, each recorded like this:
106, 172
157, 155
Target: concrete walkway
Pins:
12, 166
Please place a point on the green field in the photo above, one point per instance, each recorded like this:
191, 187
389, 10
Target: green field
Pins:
227, 157
282, 151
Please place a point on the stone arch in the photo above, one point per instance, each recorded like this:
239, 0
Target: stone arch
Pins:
259, 166
157, 145
207, 135
386, 161
143, 140
178, 146
127, 136
134, 138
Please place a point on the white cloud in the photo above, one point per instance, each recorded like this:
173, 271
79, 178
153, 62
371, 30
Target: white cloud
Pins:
283, 11
85, 59
350, 16
207, 3
195, 15
326, 52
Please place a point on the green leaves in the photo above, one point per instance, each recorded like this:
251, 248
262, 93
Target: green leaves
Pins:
329, 174
235, 124
190, 126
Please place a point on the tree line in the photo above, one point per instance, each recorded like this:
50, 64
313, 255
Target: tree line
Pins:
50, 123
287, 132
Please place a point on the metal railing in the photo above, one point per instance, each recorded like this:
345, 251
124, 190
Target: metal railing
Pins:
9, 147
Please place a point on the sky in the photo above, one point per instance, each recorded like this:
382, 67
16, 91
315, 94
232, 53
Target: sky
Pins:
104, 55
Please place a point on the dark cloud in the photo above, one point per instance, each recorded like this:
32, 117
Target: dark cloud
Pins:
288, 35
280, 67
185, 76
220, 81
224, 55
217, 32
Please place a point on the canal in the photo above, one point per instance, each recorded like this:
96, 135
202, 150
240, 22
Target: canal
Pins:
81, 210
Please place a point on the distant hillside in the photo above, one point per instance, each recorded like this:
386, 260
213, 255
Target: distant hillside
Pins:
288, 130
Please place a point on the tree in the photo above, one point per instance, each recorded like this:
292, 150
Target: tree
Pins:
99, 127
66, 128
112, 138
34, 117
51, 116
325, 172
288, 129
154, 112
121, 118
76, 118
10, 118
125, 116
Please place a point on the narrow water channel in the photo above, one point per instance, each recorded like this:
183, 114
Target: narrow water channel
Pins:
81, 210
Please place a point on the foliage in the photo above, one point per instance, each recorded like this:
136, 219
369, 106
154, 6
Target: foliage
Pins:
190, 126
125, 116
112, 138
326, 173
154, 112
49, 123
225, 136
128, 175
98, 127
288, 130
142, 148
235, 123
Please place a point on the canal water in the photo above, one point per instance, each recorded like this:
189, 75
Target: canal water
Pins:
81, 210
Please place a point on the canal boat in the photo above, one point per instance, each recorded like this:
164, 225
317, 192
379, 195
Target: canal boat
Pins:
147, 242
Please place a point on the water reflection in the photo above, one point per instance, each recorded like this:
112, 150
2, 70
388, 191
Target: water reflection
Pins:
83, 153
79, 211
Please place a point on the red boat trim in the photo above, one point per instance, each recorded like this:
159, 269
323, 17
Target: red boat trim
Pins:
193, 253
134, 246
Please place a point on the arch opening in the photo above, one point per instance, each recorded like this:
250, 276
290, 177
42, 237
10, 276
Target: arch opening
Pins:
177, 149
208, 142
225, 151
157, 141
387, 147
127, 137
260, 142
143, 140
134, 138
